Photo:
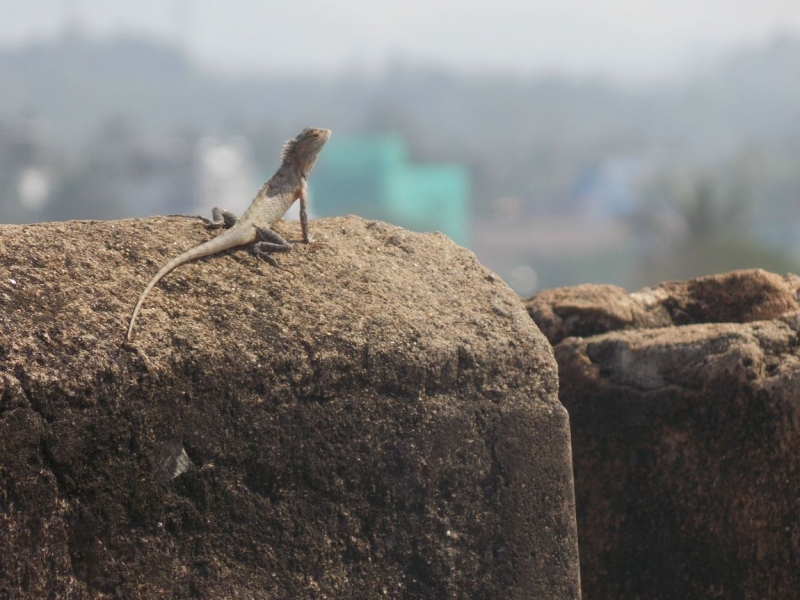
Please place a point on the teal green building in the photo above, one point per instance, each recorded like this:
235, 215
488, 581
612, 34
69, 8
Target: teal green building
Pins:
370, 176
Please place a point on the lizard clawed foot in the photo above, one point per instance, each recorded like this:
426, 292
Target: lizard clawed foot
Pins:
265, 256
200, 217
210, 223
289, 271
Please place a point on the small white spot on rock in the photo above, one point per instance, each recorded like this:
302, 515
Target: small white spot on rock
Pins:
174, 462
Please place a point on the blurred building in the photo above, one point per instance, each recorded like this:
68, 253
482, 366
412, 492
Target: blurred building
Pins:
26, 168
224, 175
371, 176
609, 188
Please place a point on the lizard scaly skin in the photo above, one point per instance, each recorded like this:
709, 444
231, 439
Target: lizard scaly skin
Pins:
270, 204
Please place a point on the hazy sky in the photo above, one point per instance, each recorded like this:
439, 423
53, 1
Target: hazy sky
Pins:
629, 39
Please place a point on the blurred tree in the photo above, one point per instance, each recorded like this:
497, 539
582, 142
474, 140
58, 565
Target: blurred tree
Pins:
708, 215
705, 231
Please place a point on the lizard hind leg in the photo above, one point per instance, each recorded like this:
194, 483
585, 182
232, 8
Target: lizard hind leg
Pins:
221, 218
271, 241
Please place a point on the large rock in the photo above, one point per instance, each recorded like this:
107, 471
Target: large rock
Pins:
685, 409
736, 297
383, 421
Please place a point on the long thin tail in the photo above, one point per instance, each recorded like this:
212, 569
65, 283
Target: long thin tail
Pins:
236, 236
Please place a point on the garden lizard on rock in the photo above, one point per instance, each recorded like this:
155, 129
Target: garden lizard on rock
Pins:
255, 225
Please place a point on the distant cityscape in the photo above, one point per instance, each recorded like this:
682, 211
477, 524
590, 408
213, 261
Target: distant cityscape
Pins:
550, 181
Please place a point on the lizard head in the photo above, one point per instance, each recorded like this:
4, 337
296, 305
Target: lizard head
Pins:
305, 148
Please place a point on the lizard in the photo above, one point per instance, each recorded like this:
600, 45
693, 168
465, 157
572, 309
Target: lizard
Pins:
288, 184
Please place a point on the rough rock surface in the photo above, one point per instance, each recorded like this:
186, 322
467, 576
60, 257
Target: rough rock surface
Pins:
686, 434
736, 297
381, 422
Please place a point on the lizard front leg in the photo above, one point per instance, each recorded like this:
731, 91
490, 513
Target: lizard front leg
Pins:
303, 196
304, 213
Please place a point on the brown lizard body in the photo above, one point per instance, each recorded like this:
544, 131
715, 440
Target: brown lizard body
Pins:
270, 204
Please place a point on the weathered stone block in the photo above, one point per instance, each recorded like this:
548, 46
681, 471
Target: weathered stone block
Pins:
685, 409
383, 421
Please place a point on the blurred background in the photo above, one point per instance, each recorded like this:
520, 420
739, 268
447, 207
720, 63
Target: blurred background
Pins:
564, 142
